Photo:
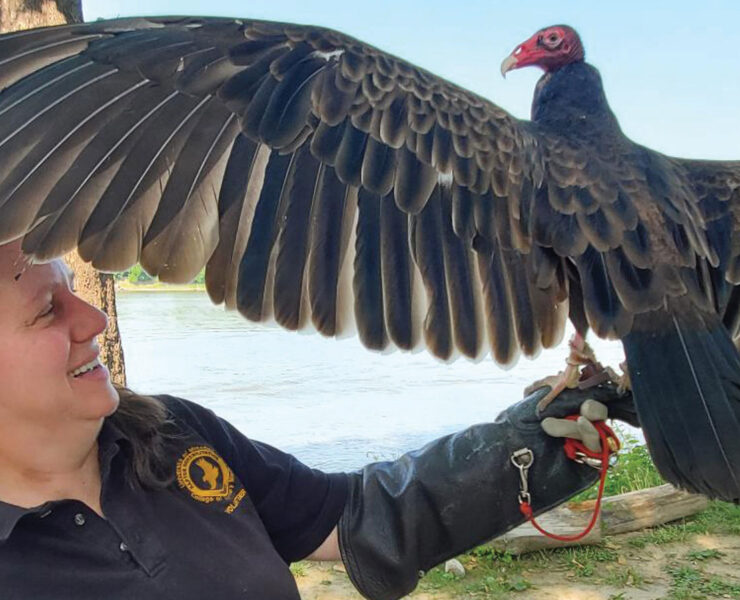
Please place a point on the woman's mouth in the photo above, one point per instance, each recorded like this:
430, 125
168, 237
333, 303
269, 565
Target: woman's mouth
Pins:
93, 365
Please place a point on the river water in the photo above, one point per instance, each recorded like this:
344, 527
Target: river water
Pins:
332, 403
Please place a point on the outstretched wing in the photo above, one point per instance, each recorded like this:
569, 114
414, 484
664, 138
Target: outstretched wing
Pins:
322, 181
307, 170
717, 187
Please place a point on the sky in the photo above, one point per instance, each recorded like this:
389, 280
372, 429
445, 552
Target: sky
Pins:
671, 70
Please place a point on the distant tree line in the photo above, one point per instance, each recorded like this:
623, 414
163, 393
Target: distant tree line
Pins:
137, 274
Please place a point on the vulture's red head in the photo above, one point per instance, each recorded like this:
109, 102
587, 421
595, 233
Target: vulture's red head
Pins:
550, 49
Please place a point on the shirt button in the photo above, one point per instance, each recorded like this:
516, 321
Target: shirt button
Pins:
123, 547
79, 519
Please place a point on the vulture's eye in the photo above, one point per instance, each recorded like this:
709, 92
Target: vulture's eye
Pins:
552, 40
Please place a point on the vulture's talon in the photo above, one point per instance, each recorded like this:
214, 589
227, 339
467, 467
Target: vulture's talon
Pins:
583, 372
623, 381
579, 354
567, 379
549, 381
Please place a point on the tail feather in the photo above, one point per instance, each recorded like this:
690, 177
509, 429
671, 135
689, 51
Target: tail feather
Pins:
685, 374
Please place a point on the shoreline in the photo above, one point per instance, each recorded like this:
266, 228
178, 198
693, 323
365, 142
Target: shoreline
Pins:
135, 288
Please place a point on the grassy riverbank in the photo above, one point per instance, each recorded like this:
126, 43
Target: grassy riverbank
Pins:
157, 286
694, 558
691, 559
136, 279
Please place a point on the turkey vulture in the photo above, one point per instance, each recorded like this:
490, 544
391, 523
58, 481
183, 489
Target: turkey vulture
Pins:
309, 171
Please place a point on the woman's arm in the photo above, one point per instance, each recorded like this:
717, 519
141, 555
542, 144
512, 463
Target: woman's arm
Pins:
329, 548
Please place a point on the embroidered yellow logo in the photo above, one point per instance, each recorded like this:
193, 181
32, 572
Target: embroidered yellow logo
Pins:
205, 475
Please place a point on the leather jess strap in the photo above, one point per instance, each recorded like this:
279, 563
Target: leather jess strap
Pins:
577, 451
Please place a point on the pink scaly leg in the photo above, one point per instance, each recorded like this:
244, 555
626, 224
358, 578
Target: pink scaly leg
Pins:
580, 354
593, 373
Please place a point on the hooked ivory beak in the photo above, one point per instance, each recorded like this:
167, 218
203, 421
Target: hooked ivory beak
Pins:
510, 62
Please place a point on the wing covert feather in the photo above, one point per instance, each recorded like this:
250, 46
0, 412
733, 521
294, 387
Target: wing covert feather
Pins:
282, 156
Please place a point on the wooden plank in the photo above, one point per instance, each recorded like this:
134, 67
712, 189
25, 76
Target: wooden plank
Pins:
564, 520
647, 508
619, 514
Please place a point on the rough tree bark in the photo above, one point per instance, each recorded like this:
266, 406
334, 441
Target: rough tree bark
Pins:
96, 288
25, 14
99, 290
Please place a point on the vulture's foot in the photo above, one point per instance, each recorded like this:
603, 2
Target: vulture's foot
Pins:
582, 371
567, 379
622, 380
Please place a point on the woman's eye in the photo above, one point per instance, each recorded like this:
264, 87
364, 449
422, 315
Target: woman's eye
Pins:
46, 312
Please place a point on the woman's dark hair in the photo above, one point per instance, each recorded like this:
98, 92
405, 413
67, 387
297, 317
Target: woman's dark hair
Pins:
145, 422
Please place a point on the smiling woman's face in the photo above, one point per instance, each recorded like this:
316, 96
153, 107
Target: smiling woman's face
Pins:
47, 334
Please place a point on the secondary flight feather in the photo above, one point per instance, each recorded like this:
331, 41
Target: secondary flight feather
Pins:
311, 173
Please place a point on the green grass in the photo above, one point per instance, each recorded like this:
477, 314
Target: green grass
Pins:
494, 586
704, 554
137, 275
158, 286
490, 574
688, 583
719, 517
624, 577
634, 470
496, 575
583, 561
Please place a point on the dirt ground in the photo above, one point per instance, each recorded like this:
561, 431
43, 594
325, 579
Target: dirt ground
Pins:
705, 566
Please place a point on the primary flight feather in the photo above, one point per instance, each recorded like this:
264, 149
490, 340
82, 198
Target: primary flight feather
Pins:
309, 172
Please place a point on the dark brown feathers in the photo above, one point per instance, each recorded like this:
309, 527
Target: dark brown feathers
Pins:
310, 172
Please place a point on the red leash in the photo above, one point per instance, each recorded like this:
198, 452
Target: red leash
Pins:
574, 450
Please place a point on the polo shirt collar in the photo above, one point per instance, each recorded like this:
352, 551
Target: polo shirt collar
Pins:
11, 514
108, 439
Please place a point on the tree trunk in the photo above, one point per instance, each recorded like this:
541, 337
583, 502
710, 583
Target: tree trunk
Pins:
96, 288
99, 290
26, 14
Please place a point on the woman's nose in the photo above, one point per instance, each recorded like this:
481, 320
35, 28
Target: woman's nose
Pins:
87, 320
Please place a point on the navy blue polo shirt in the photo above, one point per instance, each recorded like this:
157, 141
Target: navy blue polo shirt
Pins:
237, 514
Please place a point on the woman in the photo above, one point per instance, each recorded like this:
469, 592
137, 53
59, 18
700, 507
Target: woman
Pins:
108, 494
